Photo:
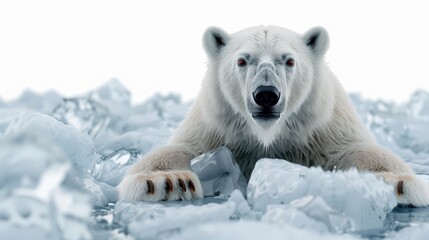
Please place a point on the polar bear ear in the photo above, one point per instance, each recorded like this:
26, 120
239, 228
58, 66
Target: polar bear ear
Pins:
214, 40
317, 39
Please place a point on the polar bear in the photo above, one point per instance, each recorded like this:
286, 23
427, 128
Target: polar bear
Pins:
268, 93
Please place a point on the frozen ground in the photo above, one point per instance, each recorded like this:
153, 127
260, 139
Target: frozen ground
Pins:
62, 158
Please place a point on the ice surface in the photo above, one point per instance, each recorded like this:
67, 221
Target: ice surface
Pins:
167, 221
253, 230
418, 232
63, 157
148, 220
342, 201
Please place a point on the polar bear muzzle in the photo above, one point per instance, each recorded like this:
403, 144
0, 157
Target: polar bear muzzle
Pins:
266, 96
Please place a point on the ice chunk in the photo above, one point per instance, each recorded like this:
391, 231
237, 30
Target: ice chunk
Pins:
112, 168
112, 94
250, 230
218, 172
138, 141
77, 146
37, 196
401, 127
31, 101
150, 220
102, 109
163, 111
308, 212
147, 220
101, 193
418, 105
242, 208
118, 153
84, 114
327, 197
8, 115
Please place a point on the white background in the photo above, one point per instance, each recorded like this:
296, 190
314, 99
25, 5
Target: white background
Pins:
379, 48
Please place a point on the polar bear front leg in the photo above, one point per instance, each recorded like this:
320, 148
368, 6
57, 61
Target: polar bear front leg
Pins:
409, 188
161, 175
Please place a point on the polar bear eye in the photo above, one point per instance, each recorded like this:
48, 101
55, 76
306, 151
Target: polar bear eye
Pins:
290, 63
241, 62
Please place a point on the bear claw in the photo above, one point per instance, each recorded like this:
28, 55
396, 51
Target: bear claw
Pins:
191, 186
182, 185
400, 188
150, 187
168, 185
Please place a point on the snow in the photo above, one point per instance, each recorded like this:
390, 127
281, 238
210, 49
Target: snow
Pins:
63, 157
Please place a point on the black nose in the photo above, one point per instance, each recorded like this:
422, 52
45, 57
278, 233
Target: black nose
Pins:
266, 96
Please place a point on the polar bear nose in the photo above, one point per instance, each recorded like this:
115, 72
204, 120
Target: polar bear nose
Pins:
266, 96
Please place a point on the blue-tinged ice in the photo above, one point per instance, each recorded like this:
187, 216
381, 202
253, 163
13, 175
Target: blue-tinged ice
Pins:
252, 230
219, 173
39, 198
151, 220
341, 201
76, 146
31, 101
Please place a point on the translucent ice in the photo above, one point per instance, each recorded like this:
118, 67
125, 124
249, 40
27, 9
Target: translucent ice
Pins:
76, 146
101, 192
114, 96
119, 152
342, 201
84, 114
162, 111
218, 172
38, 198
402, 127
78, 149
96, 111
112, 168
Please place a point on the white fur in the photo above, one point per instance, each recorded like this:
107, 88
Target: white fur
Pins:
317, 126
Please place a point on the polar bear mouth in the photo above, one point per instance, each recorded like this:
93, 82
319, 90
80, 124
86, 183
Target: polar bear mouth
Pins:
266, 115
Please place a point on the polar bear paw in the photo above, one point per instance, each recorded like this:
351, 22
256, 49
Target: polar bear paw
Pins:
409, 188
160, 186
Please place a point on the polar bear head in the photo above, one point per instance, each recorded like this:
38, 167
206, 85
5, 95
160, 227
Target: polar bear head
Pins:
265, 72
